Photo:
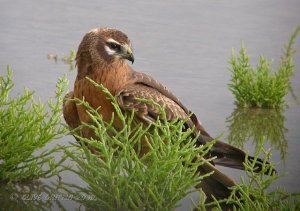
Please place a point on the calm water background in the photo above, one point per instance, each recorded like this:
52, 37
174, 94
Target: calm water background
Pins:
185, 45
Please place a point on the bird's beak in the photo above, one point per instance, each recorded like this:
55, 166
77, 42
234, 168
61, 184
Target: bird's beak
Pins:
129, 55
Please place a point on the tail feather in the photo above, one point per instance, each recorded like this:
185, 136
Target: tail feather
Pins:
230, 156
216, 185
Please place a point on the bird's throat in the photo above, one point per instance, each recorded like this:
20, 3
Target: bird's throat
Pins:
113, 76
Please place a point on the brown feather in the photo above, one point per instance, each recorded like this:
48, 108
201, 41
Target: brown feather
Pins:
70, 111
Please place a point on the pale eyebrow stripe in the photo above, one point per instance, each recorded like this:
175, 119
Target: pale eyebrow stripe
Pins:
112, 40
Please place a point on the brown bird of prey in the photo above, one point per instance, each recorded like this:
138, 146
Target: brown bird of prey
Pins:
102, 56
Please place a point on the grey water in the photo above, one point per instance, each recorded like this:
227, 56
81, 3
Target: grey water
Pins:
186, 45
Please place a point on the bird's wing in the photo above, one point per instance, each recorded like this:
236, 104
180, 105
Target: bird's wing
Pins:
161, 91
130, 97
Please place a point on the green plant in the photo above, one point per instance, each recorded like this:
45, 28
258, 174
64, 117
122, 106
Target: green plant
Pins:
70, 58
254, 192
261, 87
119, 178
26, 126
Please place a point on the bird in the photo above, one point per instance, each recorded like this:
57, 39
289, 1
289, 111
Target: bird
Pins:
104, 55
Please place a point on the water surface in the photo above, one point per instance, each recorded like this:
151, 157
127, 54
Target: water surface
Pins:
185, 45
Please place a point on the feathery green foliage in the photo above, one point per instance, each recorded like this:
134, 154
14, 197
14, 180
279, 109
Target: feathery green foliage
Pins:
260, 87
119, 178
254, 192
26, 126
71, 57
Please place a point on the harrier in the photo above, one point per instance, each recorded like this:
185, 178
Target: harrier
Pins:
102, 56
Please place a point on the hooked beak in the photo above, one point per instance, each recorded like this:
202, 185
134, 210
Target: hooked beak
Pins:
129, 55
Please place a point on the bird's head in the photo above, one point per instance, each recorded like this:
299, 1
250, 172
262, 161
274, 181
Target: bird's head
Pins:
104, 45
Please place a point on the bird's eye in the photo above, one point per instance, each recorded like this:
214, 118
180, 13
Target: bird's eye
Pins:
114, 46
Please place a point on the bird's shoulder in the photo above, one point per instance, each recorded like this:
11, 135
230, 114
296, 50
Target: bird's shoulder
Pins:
143, 85
148, 81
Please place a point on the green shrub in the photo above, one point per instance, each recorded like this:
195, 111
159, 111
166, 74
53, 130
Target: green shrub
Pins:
260, 86
255, 191
119, 179
26, 126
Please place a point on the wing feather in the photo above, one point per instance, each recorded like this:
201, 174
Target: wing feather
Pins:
129, 99
146, 80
